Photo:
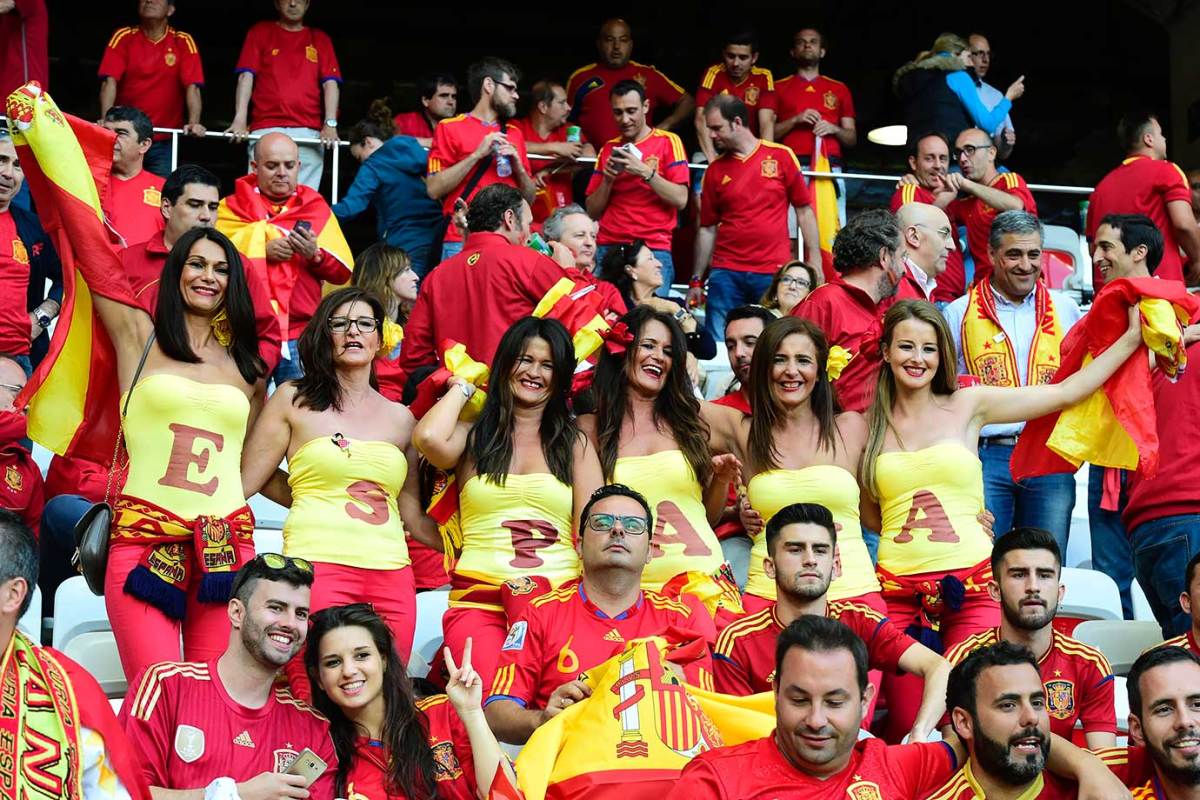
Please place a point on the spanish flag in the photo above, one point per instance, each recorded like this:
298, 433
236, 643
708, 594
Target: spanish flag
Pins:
1117, 425
639, 728
580, 308
824, 195
73, 394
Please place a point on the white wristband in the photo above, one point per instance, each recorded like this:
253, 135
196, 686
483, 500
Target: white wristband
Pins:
221, 789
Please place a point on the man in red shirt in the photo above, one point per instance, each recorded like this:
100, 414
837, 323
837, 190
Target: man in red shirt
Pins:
1189, 601
748, 191
588, 87
157, 69
1147, 183
228, 728
22, 490
134, 194
988, 192
737, 75
802, 547
439, 100
582, 624
571, 227
640, 182
868, 256
547, 134
1164, 694
472, 150
928, 164
288, 75
24, 45
1027, 568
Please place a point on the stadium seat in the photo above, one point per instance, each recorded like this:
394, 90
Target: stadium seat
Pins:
1069, 263
77, 611
1090, 595
1121, 701
1121, 641
427, 639
97, 653
31, 621
1141, 606
268, 540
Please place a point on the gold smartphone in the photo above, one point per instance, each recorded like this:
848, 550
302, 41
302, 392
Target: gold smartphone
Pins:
309, 766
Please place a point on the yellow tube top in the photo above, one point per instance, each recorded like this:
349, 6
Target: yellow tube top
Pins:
185, 445
518, 529
344, 504
683, 540
832, 487
930, 500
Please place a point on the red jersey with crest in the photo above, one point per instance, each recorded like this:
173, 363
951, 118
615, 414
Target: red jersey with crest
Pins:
850, 320
289, 69
1078, 679
562, 634
557, 190
153, 76
757, 90
830, 98
978, 215
757, 770
748, 199
589, 89
134, 206
952, 283
1047, 786
14, 286
189, 731
634, 210
744, 659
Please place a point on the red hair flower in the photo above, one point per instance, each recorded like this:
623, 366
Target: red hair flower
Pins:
617, 338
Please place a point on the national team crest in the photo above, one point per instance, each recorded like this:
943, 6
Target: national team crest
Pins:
1060, 699
521, 585
283, 758
20, 254
640, 78
770, 168
152, 196
189, 743
12, 478
864, 790
1046, 374
310, 53
752, 95
169, 58
993, 371
652, 163
445, 762
472, 259
830, 100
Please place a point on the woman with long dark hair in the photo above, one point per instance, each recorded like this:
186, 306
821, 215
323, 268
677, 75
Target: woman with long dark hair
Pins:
352, 479
524, 471
388, 743
181, 526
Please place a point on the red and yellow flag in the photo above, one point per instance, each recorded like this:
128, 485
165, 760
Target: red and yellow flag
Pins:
825, 205
73, 394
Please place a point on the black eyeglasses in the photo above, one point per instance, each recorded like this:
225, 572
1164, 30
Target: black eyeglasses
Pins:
12, 387
342, 324
512, 87
970, 149
603, 523
790, 280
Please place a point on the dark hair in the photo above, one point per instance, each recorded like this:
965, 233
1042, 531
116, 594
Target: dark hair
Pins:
770, 298
1159, 656
257, 569
857, 245
612, 267
615, 490
814, 29
18, 555
318, 387
412, 771
376, 269
743, 38
1137, 230
1024, 538
170, 332
960, 689
364, 128
767, 412
1133, 126
914, 147
490, 67
427, 85
821, 635
490, 439
676, 405
543, 91
798, 514
750, 311
142, 126
626, 86
1190, 573
486, 213
186, 174
731, 108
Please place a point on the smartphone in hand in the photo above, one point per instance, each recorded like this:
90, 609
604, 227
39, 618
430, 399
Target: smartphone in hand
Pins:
309, 766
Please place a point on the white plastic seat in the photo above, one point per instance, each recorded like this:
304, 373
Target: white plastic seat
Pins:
97, 653
1141, 606
1090, 595
77, 611
427, 638
30, 622
1121, 641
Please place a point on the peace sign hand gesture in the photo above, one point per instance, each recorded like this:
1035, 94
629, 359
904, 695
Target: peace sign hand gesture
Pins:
465, 686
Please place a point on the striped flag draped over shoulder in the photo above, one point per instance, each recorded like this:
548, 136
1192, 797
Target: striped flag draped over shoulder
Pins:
73, 394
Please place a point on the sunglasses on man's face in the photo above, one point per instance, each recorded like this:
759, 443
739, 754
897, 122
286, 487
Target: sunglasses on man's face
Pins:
602, 523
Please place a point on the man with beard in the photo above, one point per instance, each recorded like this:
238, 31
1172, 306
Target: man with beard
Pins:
227, 729
802, 550
737, 76
547, 134
997, 707
1026, 568
1189, 601
1164, 723
470, 151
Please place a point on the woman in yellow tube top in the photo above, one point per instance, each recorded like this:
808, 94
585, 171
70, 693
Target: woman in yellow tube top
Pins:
523, 469
921, 465
352, 478
181, 527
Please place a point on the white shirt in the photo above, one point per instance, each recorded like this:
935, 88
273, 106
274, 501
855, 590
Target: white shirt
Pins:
926, 283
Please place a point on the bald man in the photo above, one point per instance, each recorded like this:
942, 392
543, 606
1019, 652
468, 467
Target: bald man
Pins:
928, 242
304, 245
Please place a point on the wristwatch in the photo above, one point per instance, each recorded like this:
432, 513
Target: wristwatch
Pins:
467, 389
43, 319
682, 314
331, 123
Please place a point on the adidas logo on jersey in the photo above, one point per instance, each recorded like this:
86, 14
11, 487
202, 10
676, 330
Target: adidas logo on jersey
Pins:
613, 636
243, 739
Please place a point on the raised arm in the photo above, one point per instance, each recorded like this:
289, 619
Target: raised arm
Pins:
268, 442
586, 476
440, 436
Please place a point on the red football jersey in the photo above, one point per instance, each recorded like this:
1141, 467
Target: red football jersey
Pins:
289, 68
744, 658
634, 210
562, 635
456, 138
795, 95
189, 731
756, 770
850, 320
1184, 640
1142, 185
557, 191
1078, 679
153, 76
134, 206
1133, 766
1046, 786
757, 90
978, 215
588, 91
748, 199
413, 123
21, 490
14, 288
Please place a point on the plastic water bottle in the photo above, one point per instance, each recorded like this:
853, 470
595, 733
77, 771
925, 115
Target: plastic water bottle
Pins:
503, 165
574, 133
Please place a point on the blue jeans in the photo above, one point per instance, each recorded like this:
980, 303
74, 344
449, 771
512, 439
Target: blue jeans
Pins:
1161, 551
871, 540
736, 550
1111, 553
664, 258
728, 289
1044, 502
57, 544
450, 249
158, 158
288, 368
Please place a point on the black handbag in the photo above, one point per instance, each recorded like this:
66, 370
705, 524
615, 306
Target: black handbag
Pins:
93, 529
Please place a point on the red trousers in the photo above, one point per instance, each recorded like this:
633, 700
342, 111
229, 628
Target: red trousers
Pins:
487, 630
